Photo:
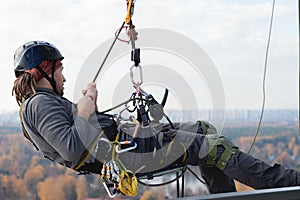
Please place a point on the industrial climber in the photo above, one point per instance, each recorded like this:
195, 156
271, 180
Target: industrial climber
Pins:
77, 136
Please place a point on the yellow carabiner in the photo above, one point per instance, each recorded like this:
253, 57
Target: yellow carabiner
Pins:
128, 15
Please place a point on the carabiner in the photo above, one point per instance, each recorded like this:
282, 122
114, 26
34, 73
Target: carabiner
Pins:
136, 83
126, 149
108, 191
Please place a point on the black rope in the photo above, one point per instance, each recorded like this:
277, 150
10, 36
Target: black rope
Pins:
183, 170
197, 177
299, 61
112, 45
182, 186
264, 78
177, 184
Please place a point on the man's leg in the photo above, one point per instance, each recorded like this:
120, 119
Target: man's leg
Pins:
247, 169
259, 175
216, 180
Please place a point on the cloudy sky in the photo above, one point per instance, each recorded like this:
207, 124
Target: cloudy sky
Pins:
232, 33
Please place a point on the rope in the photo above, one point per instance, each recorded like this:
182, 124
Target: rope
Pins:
112, 45
128, 183
264, 78
196, 176
182, 170
299, 66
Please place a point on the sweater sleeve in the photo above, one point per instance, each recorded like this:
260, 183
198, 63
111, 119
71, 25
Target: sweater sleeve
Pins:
56, 121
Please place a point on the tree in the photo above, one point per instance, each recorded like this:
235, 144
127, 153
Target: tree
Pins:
147, 195
292, 142
51, 189
295, 151
81, 188
69, 186
284, 158
32, 177
280, 147
12, 187
269, 150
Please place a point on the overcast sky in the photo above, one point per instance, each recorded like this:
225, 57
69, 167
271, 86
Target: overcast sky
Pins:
233, 34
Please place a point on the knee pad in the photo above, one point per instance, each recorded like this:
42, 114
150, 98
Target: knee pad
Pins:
206, 128
221, 150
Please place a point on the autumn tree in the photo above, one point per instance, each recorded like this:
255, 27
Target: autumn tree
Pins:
32, 177
51, 189
241, 187
296, 151
269, 150
292, 143
81, 188
12, 187
284, 158
280, 147
147, 195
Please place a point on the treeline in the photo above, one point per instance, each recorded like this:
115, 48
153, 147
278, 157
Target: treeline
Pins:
8, 129
249, 129
25, 174
274, 143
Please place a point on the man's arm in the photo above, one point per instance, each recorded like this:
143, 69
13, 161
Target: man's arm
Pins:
68, 133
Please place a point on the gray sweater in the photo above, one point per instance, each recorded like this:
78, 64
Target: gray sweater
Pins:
53, 125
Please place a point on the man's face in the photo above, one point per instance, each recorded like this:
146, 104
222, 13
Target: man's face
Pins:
60, 79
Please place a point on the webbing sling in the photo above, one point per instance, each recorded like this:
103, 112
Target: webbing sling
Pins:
25, 133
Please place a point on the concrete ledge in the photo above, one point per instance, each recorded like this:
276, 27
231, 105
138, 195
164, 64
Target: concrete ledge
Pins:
286, 193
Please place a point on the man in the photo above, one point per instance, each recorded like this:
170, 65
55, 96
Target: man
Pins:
75, 135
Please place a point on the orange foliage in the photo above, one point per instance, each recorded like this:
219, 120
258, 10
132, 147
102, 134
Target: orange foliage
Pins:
81, 188
269, 149
148, 194
51, 189
284, 158
241, 187
292, 143
296, 150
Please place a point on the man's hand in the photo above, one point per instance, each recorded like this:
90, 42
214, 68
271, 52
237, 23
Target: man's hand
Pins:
91, 91
87, 104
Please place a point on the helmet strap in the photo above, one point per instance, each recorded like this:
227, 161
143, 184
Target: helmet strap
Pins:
51, 80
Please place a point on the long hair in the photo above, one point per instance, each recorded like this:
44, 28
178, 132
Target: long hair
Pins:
24, 84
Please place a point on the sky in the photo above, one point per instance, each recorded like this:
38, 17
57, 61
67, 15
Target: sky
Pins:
232, 33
